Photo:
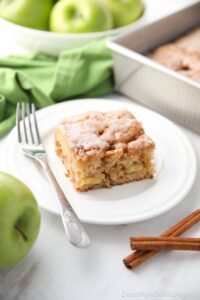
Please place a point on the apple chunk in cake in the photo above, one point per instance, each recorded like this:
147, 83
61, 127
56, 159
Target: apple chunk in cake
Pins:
104, 149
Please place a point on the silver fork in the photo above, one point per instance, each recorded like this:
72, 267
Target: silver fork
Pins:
31, 146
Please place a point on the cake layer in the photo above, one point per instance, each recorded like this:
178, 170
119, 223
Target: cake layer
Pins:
104, 149
183, 55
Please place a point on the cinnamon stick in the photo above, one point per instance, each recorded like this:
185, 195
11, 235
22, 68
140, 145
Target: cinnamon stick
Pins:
138, 257
165, 243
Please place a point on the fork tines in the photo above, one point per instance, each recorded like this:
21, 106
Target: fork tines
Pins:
26, 122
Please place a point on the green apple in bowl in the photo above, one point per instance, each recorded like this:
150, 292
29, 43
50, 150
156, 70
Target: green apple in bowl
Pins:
80, 16
19, 220
28, 13
125, 11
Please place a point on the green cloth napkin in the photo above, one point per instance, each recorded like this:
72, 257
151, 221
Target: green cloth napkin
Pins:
44, 80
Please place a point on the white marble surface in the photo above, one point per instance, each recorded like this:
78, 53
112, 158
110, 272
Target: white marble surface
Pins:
54, 270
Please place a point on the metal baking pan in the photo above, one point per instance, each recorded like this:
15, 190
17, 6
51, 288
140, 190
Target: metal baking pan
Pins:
151, 84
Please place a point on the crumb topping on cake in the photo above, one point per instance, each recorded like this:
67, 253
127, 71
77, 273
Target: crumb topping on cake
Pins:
191, 42
97, 130
170, 56
142, 142
183, 55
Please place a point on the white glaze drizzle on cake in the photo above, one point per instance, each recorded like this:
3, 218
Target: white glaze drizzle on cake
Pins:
97, 130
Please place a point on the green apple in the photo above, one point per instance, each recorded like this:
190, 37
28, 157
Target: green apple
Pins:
28, 13
19, 220
125, 11
80, 16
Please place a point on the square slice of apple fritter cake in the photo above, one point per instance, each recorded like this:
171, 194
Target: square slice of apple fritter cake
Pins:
101, 149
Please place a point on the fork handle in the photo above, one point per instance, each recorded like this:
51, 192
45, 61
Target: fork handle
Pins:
74, 230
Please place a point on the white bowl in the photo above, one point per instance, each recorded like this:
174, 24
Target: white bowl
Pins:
53, 43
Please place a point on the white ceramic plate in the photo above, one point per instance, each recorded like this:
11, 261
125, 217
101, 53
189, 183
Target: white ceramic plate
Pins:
174, 159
